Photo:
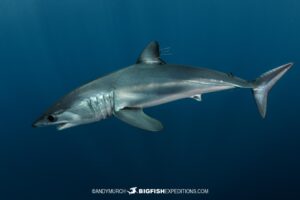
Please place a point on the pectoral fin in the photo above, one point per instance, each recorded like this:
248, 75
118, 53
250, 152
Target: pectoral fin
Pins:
136, 117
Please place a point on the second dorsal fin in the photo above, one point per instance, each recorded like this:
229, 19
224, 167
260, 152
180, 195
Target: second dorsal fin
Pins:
150, 55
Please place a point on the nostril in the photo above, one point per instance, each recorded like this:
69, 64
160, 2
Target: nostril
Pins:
34, 125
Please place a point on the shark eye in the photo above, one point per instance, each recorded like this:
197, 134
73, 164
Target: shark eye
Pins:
51, 118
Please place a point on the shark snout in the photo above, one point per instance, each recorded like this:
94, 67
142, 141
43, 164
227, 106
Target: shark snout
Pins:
52, 120
37, 123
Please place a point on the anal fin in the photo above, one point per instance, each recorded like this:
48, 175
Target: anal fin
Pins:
197, 97
136, 117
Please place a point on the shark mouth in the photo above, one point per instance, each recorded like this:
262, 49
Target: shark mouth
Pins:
64, 126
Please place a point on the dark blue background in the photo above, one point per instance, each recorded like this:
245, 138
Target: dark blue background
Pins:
48, 48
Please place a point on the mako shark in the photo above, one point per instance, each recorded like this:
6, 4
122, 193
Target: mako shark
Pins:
149, 82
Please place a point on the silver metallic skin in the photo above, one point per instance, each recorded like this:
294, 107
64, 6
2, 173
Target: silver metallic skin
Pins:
149, 82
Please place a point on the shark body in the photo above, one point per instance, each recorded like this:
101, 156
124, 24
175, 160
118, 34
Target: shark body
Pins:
149, 82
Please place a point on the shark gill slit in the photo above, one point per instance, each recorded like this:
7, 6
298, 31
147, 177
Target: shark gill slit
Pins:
101, 105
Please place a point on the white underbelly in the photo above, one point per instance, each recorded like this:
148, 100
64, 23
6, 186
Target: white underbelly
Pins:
149, 98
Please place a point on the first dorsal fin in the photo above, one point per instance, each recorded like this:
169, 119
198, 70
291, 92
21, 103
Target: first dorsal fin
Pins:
150, 55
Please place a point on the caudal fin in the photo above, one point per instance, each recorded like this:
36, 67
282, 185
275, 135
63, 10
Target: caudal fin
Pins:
263, 84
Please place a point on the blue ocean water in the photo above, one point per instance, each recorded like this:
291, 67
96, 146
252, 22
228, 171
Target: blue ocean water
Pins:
48, 48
